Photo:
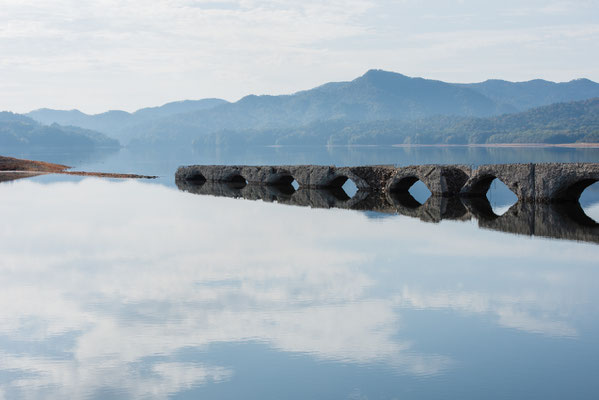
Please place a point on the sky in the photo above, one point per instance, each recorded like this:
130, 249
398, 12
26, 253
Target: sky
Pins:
128, 54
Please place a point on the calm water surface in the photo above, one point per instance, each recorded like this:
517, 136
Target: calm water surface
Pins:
135, 289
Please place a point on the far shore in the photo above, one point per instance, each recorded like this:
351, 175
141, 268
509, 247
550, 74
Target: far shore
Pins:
490, 145
567, 145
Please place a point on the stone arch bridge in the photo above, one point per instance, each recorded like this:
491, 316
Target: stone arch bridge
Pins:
547, 182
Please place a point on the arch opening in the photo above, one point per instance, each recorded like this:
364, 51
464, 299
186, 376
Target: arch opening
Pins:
282, 180
344, 187
575, 191
411, 191
197, 179
284, 184
589, 201
237, 181
350, 188
338, 181
482, 186
403, 184
420, 192
500, 197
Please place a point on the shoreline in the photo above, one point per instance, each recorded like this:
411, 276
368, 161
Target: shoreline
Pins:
25, 168
493, 145
489, 145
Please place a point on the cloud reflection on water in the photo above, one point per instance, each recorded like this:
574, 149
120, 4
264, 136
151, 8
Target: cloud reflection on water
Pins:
123, 276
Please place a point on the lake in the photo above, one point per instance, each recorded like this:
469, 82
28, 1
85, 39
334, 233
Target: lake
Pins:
141, 289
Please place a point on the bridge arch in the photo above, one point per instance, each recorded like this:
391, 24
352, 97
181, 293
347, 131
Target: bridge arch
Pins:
236, 180
402, 184
280, 179
499, 198
519, 178
481, 184
282, 183
342, 186
196, 178
571, 190
337, 181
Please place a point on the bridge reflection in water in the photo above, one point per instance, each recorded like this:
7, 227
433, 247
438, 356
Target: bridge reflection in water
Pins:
563, 220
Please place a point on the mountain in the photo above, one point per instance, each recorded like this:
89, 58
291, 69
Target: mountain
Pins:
117, 123
178, 107
525, 95
557, 123
18, 131
375, 96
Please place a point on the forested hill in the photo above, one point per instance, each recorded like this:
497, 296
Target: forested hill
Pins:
377, 95
20, 131
116, 123
373, 97
525, 95
557, 123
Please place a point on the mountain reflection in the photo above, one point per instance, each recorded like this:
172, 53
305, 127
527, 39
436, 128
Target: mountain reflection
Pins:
108, 285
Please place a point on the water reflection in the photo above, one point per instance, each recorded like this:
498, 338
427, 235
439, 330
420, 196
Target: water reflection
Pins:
6, 176
560, 221
128, 289
419, 192
350, 188
588, 201
500, 197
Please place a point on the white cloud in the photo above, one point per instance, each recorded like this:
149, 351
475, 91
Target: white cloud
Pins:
539, 317
129, 54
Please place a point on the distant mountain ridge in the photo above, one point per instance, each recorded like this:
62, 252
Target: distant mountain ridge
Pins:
114, 122
21, 131
535, 93
556, 123
375, 96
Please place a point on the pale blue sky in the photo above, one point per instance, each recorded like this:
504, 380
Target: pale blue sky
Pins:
128, 54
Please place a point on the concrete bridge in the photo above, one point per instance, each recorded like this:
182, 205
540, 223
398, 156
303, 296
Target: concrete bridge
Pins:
545, 183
